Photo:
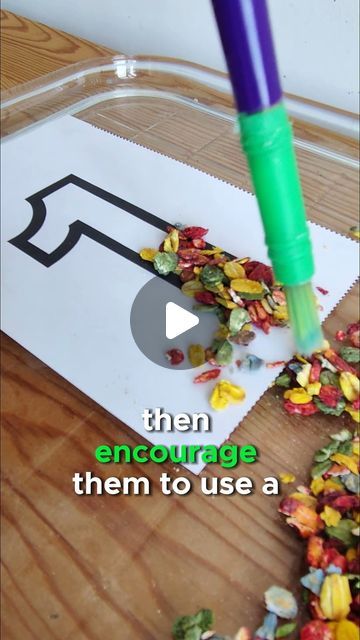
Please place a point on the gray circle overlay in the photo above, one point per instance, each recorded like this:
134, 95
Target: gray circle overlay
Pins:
148, 323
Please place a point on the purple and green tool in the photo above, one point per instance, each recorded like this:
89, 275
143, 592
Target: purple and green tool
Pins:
266, 138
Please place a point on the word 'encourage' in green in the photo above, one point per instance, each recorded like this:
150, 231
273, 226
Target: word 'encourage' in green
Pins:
228, 455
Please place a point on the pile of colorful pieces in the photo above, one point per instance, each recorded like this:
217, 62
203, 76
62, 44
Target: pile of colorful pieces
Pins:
327, 515
241, 292
327, 382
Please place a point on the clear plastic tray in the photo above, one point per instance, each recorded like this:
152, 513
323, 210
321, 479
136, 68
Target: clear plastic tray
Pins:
186, 112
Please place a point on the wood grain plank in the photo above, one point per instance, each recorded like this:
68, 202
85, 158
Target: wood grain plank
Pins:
30, 49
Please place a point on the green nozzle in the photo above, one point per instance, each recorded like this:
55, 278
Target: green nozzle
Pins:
267, 142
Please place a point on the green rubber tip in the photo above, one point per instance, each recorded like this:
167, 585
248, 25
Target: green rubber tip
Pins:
266, 138
304, 318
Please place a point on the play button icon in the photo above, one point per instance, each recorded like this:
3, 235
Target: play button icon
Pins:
163, 318
178, 320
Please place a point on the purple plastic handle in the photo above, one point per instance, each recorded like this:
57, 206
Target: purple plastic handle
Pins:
248, 46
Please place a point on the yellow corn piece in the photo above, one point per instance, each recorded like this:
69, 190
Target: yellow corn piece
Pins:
224, 294
330, 516
148, 254
350, 385
330, 485
217, 288
211, 252
228, 304
356, 448
351, 462
317, 486
356, 516
191, 287
355, 233
303, 376
300, 358
223, 332
351, 554
346, 630
297, 395
313, 389
234, 269
225, 393
304, 498
281, 314
171, 242
287, 478
196, 355
354, 413
335, 597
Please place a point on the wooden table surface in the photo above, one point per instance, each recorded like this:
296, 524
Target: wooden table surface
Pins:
124, 567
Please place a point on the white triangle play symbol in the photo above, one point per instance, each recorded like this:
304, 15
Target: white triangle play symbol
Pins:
178, 320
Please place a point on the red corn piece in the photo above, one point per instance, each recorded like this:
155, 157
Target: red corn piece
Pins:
182, 264
186, 244
199, 243
346, 503
266, 326
328, 499
258, 271
216, 261
354, 567
207, 375
355, 605
205, 297
338, 362
307, 409
322, 290
315, 609
340, 336
194, 232
356, 404
315, 371
175, 356
315, 551
355, 339
332, 556
316, 630
275, 364
260, 310
193, 256
353, 326
186, 275
288, 506
252, 312
353, 331
336, 470
330, 395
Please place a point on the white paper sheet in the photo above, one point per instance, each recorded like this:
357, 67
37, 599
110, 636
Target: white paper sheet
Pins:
74, 315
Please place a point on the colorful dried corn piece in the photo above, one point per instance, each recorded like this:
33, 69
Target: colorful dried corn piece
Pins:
327, 382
